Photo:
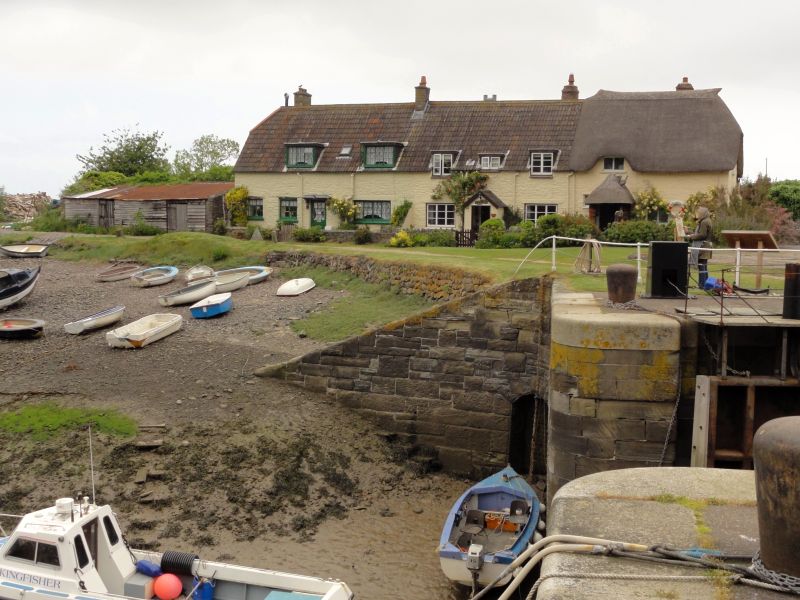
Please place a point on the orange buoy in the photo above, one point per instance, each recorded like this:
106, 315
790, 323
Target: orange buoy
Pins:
167, 586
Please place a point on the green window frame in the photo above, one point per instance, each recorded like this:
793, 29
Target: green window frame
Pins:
287, 210
255, 208
301, 157
374, 211
379, 157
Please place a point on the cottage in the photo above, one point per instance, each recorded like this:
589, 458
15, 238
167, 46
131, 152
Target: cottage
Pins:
541, 156
175, 207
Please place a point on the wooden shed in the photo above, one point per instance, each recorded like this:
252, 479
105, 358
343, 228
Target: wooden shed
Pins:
175, 207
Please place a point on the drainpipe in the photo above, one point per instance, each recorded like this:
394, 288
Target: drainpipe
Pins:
301, 202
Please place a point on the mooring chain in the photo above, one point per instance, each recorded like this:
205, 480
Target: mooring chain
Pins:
715, 356
782, 580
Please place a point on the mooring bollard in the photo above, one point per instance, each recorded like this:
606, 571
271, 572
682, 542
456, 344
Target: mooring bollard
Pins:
791, 291
776, 453
621, 282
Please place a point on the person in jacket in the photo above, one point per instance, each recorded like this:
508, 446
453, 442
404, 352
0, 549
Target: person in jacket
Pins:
701, 244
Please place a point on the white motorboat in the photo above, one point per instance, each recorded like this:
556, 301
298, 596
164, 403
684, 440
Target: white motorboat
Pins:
25, 250
77, 551
189, 294
257, 273
95, 321
198, 272
144, 331
229, 282
295, 287
154, 276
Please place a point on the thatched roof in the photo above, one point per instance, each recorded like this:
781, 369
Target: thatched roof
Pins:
612, 191
680, 131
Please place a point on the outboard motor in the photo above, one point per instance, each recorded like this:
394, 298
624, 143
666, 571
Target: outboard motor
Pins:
475, 564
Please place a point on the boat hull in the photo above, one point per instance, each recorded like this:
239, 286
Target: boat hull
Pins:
229, 282
154, 276
213, 306
189, 294
117, 273
257, 273
198, 272
456, 571
295, 287
12, 294
25, 250
20, 329
95, 321
145, 331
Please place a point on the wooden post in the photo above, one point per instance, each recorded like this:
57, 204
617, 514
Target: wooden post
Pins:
738, 261
759, 263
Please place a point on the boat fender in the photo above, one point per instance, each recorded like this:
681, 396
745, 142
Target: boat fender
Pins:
145, 567
179, 563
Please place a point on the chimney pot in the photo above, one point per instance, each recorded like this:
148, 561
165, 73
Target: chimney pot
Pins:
286, 98
570, 91
302, 97
684, 85
422, 95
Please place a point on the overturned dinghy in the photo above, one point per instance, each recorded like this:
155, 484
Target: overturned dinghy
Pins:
15, 284
295, 287
96, 321
213, 306
144, 331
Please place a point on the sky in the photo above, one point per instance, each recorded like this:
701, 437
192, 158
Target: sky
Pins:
73, 70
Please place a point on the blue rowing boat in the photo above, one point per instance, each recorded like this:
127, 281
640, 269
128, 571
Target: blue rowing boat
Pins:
487, 528
213, 306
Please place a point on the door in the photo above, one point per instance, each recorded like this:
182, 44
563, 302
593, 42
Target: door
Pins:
176, 216
105, 217
479, 215
527, 447
318, 213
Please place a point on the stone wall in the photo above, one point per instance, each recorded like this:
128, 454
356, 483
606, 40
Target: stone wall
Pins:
613, 387
442, 381
431, 282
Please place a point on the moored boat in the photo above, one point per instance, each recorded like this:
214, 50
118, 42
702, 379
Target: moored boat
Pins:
95, 321
257, 273
25, 250
144, 331
213, 306
77, 551
189, 294
198, 272
487, 528
118, 272
15, 284
229, 282
154, 276
295, 287
20, 329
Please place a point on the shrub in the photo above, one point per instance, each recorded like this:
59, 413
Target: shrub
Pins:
362, 236
219, 253
649, 203
528, 234
311, 234
439, 238
578, 226
489, 233
236, 201
219, 227
640, 231
401, 239
345, 209
50, 219
400, 213
141, 227
787, 194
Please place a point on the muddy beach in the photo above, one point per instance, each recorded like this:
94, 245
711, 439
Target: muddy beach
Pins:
231, 466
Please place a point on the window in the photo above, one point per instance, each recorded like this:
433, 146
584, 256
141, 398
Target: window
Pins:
346, 150
111, 531
300, 157
255, 209
80, 550
613, 163
24, 549
374, 211
47, 554
491, 162
541, 163
441, 215
442, 163
287, 210
35, 552
534, 211
379, 156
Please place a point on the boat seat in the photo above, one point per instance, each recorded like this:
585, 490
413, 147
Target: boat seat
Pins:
473, 521
464, 541
519, 511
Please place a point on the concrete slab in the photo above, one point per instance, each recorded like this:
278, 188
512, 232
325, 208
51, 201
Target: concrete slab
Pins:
616, 330
680, 507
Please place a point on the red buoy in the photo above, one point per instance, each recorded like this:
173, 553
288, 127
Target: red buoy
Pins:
167, 586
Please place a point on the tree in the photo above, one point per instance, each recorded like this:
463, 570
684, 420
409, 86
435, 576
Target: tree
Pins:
786, 193
127, 152
206, 153
459, 187
2, 202
93, 180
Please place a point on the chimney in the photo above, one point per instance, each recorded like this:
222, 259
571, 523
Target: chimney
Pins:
488, 98
570, 91
422, 95
302, 97
684, 85
286, 99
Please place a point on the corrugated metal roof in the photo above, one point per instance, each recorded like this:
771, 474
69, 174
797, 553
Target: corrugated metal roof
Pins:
177, 191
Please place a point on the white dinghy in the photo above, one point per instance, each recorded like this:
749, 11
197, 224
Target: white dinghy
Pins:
154, 276
198, 272
77, 551
295, 287
25, 250
144, 331
229, 282
118, 272
257, 273
190, 294
95, 321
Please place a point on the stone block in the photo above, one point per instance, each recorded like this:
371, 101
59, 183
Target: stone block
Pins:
643, 451
528, 340
316, 384
393, 366
340, 384
622, 409
560, 464
384, 403
459, 325
514, 361
467, 437
430, 333
447, 338
475, 342
559, 402
383, 385
472, 382
433, 323
345, 372
363, 385
584, 407
566, 384
614, 429
390, 341
499, 441
597, 448
501, 406
431, 428
656, 431
508, 333
424, 364
417, 389
564, 423
348, 399
624, 330
524, 320
345, 361
466, 418
502, 345
559, 440
456, 460
457, 368
476, 401
495, 384
457, 354
312, 369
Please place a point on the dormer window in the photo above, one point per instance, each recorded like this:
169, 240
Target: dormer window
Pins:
541, 163
613, 163
490, 162
441, 164
379, 157
301, 157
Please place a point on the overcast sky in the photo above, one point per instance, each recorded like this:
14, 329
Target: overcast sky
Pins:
72, 70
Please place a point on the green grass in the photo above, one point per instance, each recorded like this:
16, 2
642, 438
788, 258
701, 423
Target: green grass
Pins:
365, 305
14, 238
44, 420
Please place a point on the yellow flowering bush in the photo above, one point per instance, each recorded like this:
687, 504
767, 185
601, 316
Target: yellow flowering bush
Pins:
343, 208
401, 239
649, 202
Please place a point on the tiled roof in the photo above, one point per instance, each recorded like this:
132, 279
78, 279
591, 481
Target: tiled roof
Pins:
469, 129
178, 191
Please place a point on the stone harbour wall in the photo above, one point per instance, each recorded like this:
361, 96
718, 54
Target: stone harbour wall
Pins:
442, 381
432, 282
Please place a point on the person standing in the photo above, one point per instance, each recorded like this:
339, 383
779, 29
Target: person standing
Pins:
701, 244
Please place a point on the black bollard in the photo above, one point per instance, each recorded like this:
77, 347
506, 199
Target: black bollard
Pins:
791, 291
621, 282
776, 453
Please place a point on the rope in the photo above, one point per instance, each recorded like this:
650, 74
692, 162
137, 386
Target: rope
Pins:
622, 576
674, 416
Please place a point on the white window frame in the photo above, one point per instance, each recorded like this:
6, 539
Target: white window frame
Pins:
443, 213
533, 211
614, 168
442, 164
542, 163
491, 162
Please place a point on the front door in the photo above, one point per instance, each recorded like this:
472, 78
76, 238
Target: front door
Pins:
176, 216
479, 215
106, 213
318, 213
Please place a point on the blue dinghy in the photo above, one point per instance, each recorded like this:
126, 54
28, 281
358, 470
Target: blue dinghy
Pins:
487, 528
213, 306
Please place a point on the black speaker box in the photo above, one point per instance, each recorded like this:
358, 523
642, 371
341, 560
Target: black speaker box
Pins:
667, 270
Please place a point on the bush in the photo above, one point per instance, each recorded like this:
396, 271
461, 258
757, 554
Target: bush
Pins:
362, 236
548, 225
51, 219
578, 226
219, 253
640, 231
311, 234
141, 227
219, 227
528, 234
439, 238
236, 201
489, 233
402, 239
400, 213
